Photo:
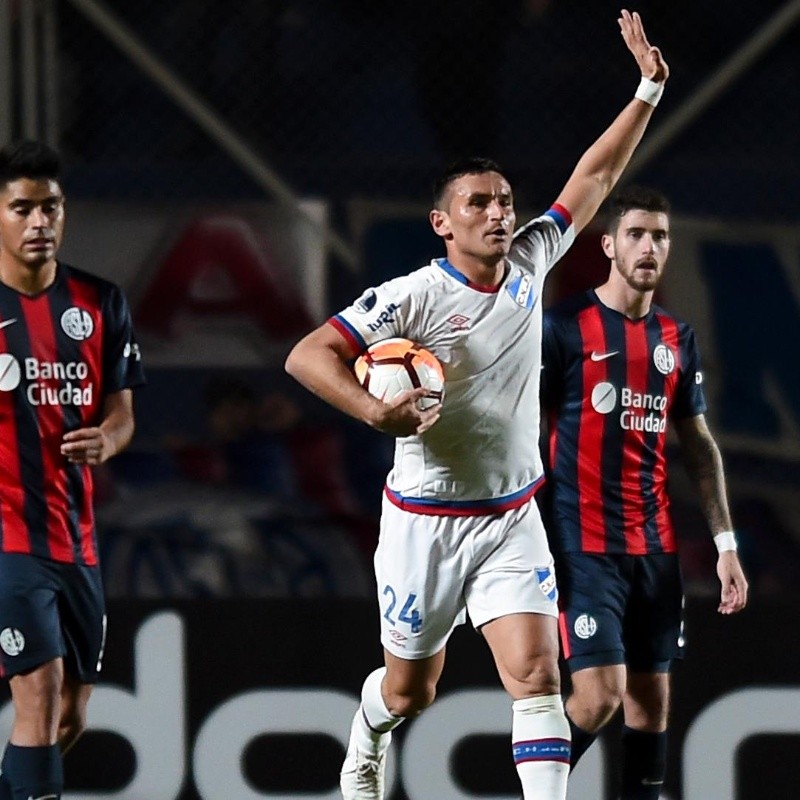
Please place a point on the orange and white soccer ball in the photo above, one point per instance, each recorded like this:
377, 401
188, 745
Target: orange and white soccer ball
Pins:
396, 365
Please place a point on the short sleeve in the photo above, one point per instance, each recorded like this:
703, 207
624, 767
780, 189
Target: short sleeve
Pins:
122, 358
689, 396
382, 312
544, 240
553, 367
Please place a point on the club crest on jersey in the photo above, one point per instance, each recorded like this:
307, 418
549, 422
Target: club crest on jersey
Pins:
521, 291
77, 323
547, 583
12, 641
585, 626
664, 359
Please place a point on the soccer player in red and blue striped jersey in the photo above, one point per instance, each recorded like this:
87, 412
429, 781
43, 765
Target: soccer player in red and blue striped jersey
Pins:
617, 370
68, 362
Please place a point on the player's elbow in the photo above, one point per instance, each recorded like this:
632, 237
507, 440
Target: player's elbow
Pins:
296, 360
290, 365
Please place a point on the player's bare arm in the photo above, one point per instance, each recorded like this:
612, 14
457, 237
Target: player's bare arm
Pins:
703, 462
602, 164
319, 362
96, 444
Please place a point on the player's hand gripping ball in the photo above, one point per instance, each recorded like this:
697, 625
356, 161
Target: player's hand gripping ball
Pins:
396, 365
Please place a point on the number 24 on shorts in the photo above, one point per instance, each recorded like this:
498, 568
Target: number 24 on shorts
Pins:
408, 614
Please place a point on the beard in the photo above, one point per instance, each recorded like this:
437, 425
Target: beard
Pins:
642, 280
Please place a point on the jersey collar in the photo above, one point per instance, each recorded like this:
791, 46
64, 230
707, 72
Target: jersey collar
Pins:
461, 278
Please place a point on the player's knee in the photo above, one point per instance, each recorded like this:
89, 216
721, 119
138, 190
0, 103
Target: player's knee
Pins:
648, 715
535, 676
37, 696
411, 701
599, 704
71, 727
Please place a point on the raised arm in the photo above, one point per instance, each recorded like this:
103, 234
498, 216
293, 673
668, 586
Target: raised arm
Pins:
704, 465
319, 362
601, 165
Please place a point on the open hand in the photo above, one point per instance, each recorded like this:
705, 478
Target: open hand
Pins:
649, 58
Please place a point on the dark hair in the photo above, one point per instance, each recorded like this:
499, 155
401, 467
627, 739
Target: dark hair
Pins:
464, 166
641, 198
29, 159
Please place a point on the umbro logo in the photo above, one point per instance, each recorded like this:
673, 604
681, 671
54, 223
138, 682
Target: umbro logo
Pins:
595, 356
7, 322
459, 322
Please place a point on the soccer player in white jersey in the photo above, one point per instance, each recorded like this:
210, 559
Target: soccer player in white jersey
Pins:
459, 530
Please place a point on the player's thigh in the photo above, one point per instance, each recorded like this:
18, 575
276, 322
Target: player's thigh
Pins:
30, 623
653, 628
420, 564
594, 590
512, 570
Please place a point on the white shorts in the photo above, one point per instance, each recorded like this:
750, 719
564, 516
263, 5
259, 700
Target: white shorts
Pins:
432, 570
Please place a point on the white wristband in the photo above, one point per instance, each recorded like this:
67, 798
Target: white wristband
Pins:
725, 541
649, 91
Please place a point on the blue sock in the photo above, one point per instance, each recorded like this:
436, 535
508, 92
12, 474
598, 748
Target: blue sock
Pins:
644, 763
581, 742
33, 771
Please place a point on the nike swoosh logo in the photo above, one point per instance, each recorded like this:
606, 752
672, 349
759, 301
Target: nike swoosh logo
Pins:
3, 325
595, 356
648, 782
44, 797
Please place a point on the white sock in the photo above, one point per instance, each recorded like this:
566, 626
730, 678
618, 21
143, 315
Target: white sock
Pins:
541, 743
373, 722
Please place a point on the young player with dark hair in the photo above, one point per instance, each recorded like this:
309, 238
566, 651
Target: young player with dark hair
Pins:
68, 362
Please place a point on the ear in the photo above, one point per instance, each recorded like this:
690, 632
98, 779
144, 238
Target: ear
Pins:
440, 222
607, 243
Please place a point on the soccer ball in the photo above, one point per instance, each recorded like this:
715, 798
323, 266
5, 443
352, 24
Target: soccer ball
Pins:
396, 365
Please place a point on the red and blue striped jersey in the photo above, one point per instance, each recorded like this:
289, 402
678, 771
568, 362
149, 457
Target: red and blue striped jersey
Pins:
62, 352
609, 385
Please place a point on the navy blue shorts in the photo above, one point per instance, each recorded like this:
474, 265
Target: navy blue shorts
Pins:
620, 609
50, 610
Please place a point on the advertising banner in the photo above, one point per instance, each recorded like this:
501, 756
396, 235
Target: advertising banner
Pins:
249, 700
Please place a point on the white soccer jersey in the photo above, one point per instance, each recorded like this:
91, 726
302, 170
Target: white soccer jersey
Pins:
482, 456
